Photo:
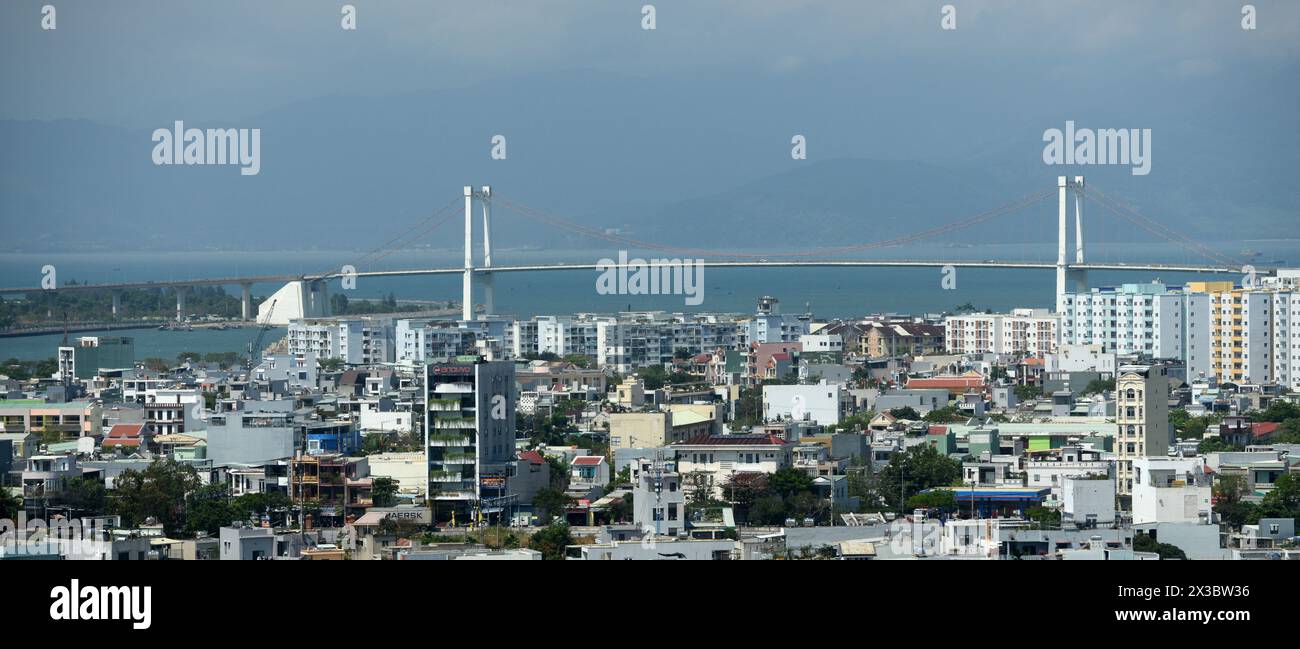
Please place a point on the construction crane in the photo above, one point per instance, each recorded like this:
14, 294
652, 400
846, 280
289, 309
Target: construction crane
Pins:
255, 347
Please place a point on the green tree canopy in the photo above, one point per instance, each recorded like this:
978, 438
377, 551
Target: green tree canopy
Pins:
919, 467
551, 541
159, 491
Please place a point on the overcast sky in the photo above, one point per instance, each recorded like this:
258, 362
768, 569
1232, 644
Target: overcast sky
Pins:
137, 63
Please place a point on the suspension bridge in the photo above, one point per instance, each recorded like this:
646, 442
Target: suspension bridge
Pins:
1071, 269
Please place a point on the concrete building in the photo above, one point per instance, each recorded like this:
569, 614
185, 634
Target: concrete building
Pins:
658, 499
89, 354
430, 341
1130, 319
247, 543
409, 470
717, 458
470, 435
1171, 490
662, 427
1023, 331
1142, 419
355, 340
252, 432
824, 403
1088, 501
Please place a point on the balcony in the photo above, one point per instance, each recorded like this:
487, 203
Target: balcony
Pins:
454, 388
445, 405
447, 476
454, 423
450, 439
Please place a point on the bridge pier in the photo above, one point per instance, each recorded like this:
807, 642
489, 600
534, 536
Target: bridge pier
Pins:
246, 302
180, 303
117, 303
488, 298
467, 283
1069, 280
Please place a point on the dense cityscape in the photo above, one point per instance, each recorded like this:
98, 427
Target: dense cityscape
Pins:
1140, 421
894, 283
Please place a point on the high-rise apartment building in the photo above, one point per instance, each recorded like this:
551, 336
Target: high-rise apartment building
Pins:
1141, 417
469, 431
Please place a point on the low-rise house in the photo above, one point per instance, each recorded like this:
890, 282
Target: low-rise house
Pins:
716, 458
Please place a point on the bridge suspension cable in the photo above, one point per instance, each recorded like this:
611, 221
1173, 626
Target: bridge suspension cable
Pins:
406, 237
1155, 228
981, 217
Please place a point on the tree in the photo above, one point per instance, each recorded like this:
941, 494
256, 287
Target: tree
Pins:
906, 412
1027, 392
918, 468
581, 360
1099, 386
331, 364
251, 506
86, 496
158, 491
383, 492
654, 377
767, 510
156, 364
743, 488
207, 509
943, 500
551, 541
1144, 543
1228, 493
621, 510
1278, 411
188, 357
1284, 499
945, 415
551, 502
789, 481
749, 408
1216, 445
1288, 432
10, 504
1043, 518
16, 370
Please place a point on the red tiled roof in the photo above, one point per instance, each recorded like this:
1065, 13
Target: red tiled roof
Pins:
588, 460
533, 457
121, 441
125, 430
938, 430
947, 382
730, 440
1263, 428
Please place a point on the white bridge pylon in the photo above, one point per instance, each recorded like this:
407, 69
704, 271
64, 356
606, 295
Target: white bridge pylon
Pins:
1069, 280
484, 196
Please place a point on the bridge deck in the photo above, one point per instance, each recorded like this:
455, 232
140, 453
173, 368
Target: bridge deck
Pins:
271, 279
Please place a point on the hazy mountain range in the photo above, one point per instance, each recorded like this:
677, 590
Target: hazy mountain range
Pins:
682, 162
